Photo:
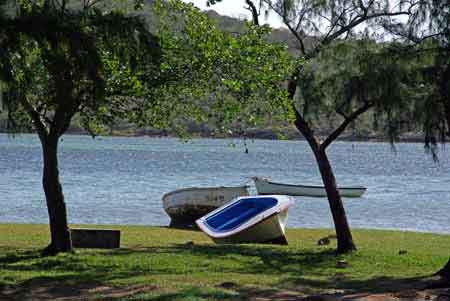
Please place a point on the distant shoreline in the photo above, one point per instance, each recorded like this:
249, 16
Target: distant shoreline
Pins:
261, 134
250, 135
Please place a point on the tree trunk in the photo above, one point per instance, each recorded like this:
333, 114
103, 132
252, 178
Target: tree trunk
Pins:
345, 242
445, 271
445, 94
60, 233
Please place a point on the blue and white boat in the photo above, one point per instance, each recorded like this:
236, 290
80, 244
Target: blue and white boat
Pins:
250, 219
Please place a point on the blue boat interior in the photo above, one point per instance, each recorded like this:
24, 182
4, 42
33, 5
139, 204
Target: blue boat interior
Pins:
238, 213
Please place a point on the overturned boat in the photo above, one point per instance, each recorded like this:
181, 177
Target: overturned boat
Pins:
186, 205
252, 219
264, 186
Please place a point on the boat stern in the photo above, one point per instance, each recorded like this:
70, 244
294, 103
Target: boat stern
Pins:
267, 226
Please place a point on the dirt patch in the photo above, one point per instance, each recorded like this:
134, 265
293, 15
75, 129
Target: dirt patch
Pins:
428, 289
431, 295
55, 291
417, 291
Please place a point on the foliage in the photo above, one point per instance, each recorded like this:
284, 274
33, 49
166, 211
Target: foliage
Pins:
425, 45
219, 76
58, 62
428, 20
319, 26
351, 74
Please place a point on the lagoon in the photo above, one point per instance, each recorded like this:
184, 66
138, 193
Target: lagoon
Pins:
120, 180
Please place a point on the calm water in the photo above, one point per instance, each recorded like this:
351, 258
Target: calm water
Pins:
121, 180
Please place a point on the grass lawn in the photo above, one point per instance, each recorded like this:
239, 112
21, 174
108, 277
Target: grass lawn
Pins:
156, 263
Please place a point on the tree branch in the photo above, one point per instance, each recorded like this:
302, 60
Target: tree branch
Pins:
361, 5
90, 3
338, 131
291, 29
356, 21
305, 129
36, 117
418, 41
252, 8
62, 118
336, 22
445, 94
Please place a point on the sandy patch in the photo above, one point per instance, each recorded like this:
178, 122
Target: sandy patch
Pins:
53, 291
416, 291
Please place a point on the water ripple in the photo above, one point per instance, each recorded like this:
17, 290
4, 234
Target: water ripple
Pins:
115, 180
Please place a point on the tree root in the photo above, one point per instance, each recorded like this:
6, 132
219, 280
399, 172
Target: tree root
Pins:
445, 271
49, 251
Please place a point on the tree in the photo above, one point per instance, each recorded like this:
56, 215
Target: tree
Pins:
215, 76
318, 26
56, 62
425, 40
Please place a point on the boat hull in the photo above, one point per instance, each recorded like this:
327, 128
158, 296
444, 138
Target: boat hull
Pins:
265, 226
184, 206
268, 231
264, 187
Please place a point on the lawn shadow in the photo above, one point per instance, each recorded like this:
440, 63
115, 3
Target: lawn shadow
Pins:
339, 281
65, 288
249, 259
10, 258
75, 274
191, 294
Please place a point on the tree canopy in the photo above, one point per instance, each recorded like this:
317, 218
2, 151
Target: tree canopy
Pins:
424, 40
319, 26
58, 60
236, 76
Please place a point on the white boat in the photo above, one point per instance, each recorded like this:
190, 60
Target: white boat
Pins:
186, 205
264, 186
251, 219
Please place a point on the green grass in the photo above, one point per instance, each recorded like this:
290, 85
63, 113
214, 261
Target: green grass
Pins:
161, 258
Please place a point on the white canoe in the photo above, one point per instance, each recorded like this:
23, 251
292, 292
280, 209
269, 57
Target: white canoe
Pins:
264, 186
251, 219
186, 205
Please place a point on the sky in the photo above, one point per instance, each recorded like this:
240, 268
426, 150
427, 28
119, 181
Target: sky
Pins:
236, 9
